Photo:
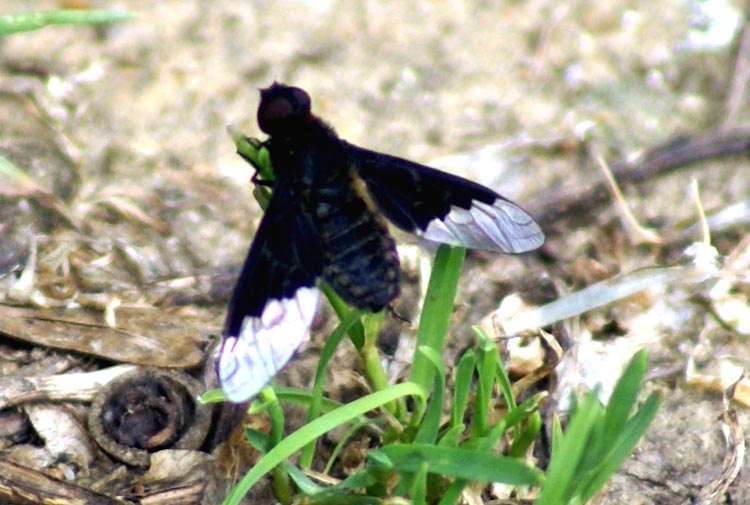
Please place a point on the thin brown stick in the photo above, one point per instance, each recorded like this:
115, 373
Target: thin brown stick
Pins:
657, 162
20, 485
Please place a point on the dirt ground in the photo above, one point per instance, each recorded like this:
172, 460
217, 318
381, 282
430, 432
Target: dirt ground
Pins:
126, 126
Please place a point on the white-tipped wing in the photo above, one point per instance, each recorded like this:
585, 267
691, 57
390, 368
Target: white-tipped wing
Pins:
265, 344
443, 207
274, 300
501, 227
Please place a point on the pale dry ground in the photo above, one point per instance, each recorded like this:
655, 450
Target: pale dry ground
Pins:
143, 107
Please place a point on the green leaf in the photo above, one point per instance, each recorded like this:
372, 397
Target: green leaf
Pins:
357, 330
259, 440
354, 428
487, 361
27, 21
461, 463
437, 311
295, 396
418, 493
294, 442
305, 484
597, 439
624, 396
317, 393
527, 436
462, 387
428, 431
626, 442
254, 151
510, 420
558, 488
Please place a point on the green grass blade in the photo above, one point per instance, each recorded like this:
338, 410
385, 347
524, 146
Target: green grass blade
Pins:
280, 482
453, 493
297, 440
304, 483
212, 396
501, 374
28, 21
527, 436
296, 396
357, 330
459, 463
362, 479
437, 311
418, 493
631, 433
428, 431
320, 373
259, 440
487, 360
255, 152
464, 373
559, 485
619, 408
510, 420
597, 439
462, 386
625, 394
348, 499
275, 413
354, 428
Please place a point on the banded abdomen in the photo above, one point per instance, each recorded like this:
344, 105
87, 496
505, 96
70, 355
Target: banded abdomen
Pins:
360, 259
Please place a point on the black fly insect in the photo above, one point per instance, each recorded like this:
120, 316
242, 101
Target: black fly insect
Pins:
327, 220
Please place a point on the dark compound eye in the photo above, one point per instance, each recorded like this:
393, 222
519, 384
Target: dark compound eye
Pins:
282, 107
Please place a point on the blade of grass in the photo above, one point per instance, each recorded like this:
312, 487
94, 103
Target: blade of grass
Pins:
357, 330
295, 441
625, 394
462, 386
501, 373
436, 313
303, 398
414, 483
628, 439
461, 389
510, 420
608, 432
28, 21
459, 463
428, 431
527, 436
346, 499
374, 371
558, 487
487, 360
280, 482
418, 493
317, 393
336, 493
345, 439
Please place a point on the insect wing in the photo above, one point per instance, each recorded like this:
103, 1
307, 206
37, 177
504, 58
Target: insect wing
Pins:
443, 207
265, 344
274, 300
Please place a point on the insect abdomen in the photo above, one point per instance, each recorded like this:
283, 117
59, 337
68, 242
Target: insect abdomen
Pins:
361, 261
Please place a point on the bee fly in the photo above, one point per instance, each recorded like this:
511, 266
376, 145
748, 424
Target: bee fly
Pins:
325, 220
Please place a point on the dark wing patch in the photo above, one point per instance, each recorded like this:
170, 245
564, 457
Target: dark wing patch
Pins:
274, 300
444, 207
